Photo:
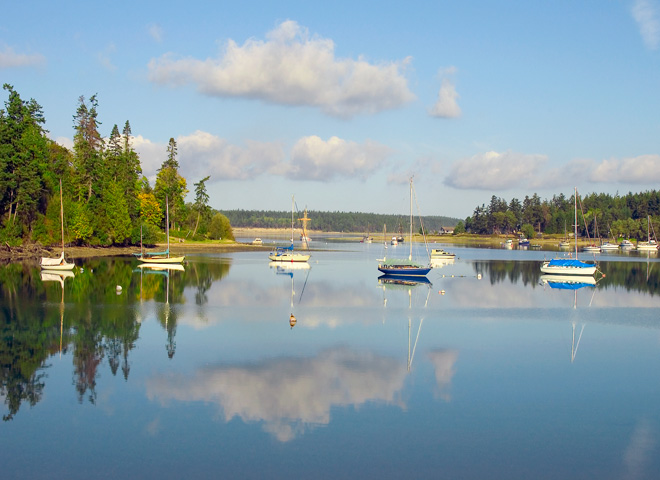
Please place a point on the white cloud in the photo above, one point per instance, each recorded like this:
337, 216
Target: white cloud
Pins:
151, 155
104, 58
9, 59
155, 32
205, 154
644, 13
65, 142
315, 159
312, 158
291, 68
643, 169
446, 106
495, 171
289, 395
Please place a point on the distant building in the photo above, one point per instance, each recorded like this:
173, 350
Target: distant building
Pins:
446, 230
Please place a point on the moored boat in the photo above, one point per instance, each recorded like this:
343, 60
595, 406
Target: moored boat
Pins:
398, 266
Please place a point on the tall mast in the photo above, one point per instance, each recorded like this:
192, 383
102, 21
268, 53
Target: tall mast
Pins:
292, 204
575, 224
62, 215
411, 221
167, 224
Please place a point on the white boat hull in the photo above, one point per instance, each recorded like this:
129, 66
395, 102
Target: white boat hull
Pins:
289, 257
162, 260
561, 270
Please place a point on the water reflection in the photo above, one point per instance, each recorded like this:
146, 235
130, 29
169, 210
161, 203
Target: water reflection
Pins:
290, 396
369, 357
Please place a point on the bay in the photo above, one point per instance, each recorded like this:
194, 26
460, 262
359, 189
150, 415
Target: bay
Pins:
487, 371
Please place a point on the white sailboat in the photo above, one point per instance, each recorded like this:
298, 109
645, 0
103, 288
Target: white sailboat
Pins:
162, 257
574, 266
60, 262
286, 254
651, 245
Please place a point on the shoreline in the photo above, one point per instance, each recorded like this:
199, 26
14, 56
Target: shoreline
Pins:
33, 252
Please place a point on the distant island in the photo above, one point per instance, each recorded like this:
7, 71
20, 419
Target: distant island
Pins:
369, 223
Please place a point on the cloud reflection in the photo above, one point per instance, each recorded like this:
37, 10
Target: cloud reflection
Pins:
289, 395
443, 362
640, 448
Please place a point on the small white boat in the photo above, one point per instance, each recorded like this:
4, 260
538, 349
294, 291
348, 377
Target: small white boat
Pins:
439, 253
626, 244
608, 246
58, 263
651, 244
591, 249
286, 254
394, 241
257, 241
160, 257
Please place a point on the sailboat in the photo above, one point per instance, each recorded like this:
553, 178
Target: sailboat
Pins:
650, 244
574, 266
286, 254
398, 266
161, 257
58, 263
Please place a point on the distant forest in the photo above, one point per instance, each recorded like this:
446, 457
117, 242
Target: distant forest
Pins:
334, 221
599, 215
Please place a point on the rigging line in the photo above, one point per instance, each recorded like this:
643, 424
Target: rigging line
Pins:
304, 284
421, 221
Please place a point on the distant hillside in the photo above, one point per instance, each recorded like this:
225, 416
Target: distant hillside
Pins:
334, 221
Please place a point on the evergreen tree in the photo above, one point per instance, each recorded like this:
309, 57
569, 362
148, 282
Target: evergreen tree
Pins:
88, 149
201, 205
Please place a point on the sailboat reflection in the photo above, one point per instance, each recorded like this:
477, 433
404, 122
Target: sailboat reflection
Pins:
58, 276
574, 283
168, 323
406, 283
287, 268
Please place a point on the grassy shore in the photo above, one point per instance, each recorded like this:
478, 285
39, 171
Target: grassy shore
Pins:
33, 252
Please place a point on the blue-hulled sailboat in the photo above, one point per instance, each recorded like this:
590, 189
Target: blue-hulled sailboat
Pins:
406, 267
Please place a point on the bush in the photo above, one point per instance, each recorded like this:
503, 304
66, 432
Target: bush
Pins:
220, 228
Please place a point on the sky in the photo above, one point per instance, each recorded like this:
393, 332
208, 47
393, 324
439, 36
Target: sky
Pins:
341, 104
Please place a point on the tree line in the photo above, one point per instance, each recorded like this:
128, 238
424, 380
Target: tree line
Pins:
599, 215
107, 200
369, 223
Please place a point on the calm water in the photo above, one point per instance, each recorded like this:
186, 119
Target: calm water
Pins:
487, 372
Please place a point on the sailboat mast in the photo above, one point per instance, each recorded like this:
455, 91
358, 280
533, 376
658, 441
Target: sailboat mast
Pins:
292, 206
411, 221
62, 214
575, 223
167, 224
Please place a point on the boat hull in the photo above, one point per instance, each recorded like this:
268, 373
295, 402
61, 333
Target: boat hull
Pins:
59, 267
162, 260
289, 257
568, 268
404, 270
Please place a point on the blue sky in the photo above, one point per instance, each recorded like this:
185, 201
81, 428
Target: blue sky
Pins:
339, 104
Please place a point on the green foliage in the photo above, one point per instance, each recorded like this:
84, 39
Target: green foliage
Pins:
220, 228
528, 230
460, 228
332, 221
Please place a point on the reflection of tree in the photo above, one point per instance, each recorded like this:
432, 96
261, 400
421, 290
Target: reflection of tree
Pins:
87, 355
513, 271
637, 276
29, 337
202, 276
